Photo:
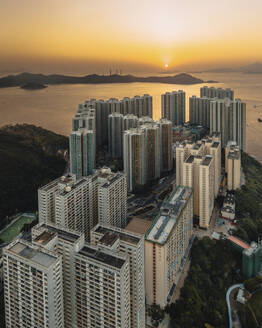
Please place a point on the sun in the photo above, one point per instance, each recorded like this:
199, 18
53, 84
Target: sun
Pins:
166, 65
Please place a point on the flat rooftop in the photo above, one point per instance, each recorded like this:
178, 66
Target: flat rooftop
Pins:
108, 239
45, 237
102, 256
215, 144
63, 234
207, 160
138, 225
233, 155
121, 234
190, 159
33, 254
169, 215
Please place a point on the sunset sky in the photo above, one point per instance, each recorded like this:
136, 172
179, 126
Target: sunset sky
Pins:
75, 36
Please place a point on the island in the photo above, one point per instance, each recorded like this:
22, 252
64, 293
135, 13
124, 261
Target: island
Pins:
29, 79
33, 86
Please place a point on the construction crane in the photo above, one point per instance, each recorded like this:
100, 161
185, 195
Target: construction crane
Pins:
255, 106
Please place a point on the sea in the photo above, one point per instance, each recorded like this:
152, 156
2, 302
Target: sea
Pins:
53, 108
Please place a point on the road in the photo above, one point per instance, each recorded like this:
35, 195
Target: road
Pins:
230, 289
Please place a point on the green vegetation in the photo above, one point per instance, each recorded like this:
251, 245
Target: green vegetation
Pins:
202, 302
15, 228
30, 157
252, 284
156, 313
249, 201
256, 305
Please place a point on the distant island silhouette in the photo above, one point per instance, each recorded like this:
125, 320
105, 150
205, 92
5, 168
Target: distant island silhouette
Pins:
33, 86
40, 79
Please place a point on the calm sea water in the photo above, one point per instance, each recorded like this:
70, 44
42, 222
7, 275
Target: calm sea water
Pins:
54, 107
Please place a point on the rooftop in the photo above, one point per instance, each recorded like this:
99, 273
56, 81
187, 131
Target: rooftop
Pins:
207, 160
138, 225
63, 234
108, 239
190, 159
164, 223
102, 256
45, 237
233, 154
33, 254
124, 236
215, 144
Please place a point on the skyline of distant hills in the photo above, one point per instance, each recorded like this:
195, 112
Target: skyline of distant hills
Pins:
41, 79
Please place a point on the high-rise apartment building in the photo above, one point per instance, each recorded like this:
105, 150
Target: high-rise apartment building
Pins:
33, 286
134, 148
76, 205
166, 136
233, 166
115, 135
82, 152
174, 106
131, 245
216, 93
130, 121
80, 204
112, 198
65, 243
199, 174
229, 118
152, 155
102, 288
199, 111
166, 244
46, 197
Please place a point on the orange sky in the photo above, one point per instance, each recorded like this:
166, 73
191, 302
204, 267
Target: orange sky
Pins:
87, 35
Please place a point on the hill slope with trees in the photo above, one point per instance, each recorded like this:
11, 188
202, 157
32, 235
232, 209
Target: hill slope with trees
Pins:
29, 157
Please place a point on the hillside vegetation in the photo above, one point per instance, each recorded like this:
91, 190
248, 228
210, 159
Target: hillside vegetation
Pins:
29, 157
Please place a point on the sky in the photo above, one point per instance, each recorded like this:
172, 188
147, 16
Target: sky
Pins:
88, 36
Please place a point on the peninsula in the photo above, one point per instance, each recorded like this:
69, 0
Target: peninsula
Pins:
41, 79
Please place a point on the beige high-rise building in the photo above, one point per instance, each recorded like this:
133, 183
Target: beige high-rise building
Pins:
233, 167
206, 191
166, 245
65, 243
126, 243
182, 152
33, 286
199, 174
166, 136
134, 148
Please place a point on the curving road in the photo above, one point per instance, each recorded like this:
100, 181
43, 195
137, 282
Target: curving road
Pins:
228, 302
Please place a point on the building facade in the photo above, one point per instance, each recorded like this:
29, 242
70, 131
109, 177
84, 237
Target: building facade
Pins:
173, 106
216, 93
166, 245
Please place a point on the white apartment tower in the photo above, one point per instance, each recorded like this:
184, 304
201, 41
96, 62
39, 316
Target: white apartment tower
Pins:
233, 166
112, 198
33, 285
65, 243
46, 198
173, 106
76, 205
131, 245
102, 288
166, 246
